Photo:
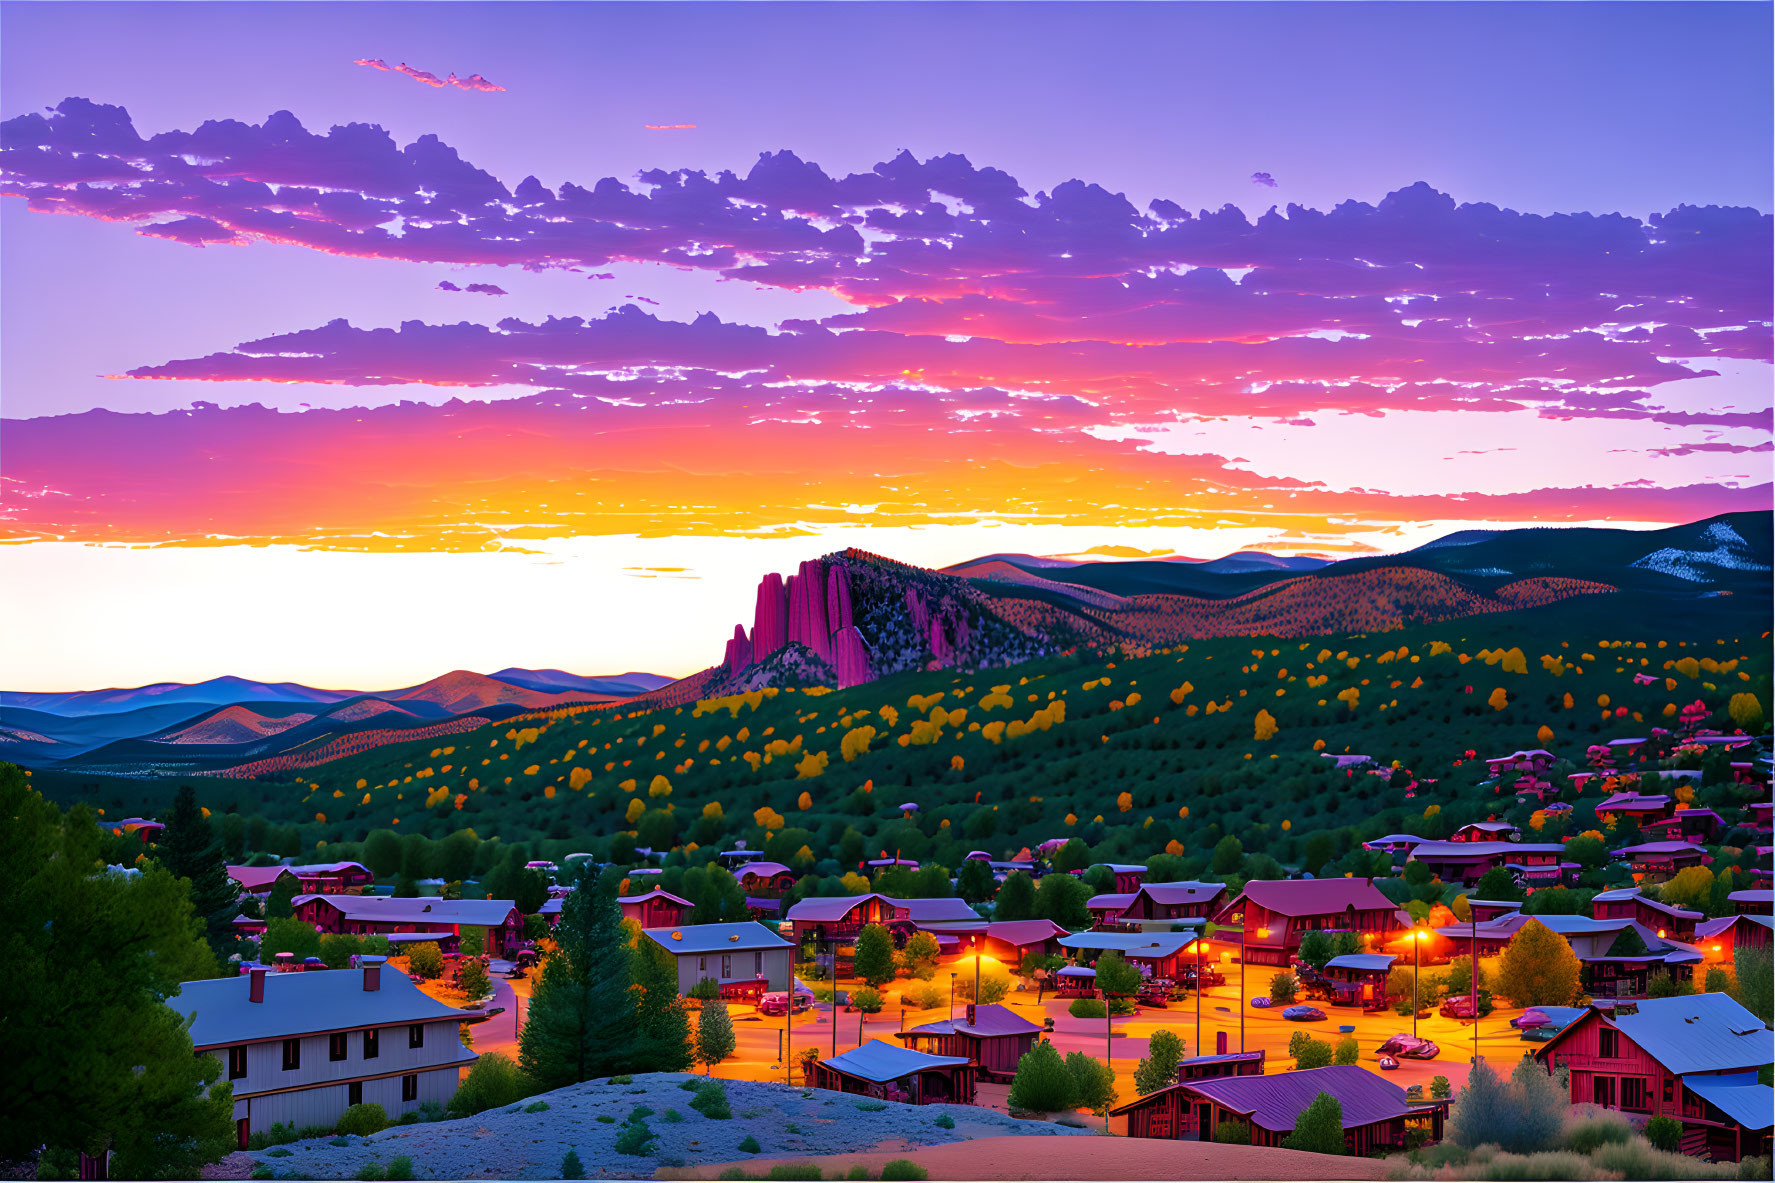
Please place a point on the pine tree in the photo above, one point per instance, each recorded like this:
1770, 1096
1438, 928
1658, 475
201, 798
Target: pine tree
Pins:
975, 883
714, 1035
581, 1018
873, 961
1319, 1128
277, 900
571, 1167
188, 850
660, 1018
1016, 898
1159, 1069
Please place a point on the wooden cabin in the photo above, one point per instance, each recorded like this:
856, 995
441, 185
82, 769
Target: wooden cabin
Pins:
994, 1037
1489, 831
333, 878
1010, 940
1075, 981
1276, 913
1538, 863
1183, 900
1128, 876
1156, 954
1641, 808
1752, 901
405, 920
1661, 860
1626, 903
746, 959
890, 1072
1376, 1114
764, 878
1690, 1058
1358, 979
658, 908
1719, 939
1686, 825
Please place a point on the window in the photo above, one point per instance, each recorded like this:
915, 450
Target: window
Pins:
702, 964
1602, 1091
416, 1035
1634, 1094
410, 1087
758, 964
372, 1043
292, 1054
1608, 1043
237, 1063
336, 1046
727, 965
354, 1093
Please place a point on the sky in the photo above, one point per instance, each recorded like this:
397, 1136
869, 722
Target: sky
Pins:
336, 339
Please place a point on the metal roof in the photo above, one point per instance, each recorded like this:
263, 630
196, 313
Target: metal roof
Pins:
1485, 849
416, 909
658, 893
257, 878
881, 1062
301, 1004
1023, 932
1314, 897
1698, 1033
1712, 928
759, 868
1738, 1096
1363, 962
1275, 1102
1111, 900
1659, 848
992, 1019
1131, 944
744, 935
1183, 891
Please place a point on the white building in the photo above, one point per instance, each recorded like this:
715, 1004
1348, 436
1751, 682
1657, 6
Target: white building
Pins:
301, 1048
746, 952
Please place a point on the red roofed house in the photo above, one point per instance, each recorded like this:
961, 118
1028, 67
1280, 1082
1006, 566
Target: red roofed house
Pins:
1644, 810
1719, 939
395, 917
1157, 901
1376, 1113
333, 878
1626, 903
1486, 832
1690, 1058
658, 908
260, 880
762, 878
1661, 860
1537, 863
991, 1035
1010, 940
1276, 913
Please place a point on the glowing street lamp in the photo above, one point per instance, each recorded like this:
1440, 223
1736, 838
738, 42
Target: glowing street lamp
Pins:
1418, 937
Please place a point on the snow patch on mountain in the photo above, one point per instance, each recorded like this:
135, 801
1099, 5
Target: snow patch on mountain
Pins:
1728, 552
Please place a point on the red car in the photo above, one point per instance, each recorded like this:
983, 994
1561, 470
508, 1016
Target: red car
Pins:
1459, 1007
1409, 1047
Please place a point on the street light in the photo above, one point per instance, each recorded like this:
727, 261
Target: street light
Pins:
952, 976
1418, 936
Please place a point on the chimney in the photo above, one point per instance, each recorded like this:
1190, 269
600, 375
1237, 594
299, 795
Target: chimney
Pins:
256, 986
372, 973
1220, 1043
970, 1019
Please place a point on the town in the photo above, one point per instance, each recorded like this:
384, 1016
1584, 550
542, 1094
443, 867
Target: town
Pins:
1410, 1011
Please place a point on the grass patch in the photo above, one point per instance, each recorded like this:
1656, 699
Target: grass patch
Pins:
904, 1168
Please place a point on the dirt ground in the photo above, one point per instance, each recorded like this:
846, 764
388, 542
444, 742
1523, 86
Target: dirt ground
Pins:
1038, 1157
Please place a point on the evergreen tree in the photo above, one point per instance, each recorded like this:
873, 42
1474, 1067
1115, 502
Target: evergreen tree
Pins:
581, 1018
97, 957
189, 852
1094, 1082
1320, 1127
1497, 884
1074, 856
975, 883
1159, 1069
1016, 898
571, 1167
661, 1023
1116, 977
1316, 948
472, 980
715, 1039
874, 959
1538, 968
1042, 1083
1063, 899
1753, 985
277, 901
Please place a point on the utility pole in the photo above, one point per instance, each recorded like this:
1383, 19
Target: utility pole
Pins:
835, 996
1198, 944
1243, 1001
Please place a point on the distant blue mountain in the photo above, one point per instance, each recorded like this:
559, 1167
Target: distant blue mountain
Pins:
562, 682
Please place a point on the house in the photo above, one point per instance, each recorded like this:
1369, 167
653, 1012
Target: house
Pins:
1484, 910
992, 1036
1534, 760
1128, 876
1661, 860
1224, 1064
1486, 832
841, 917
745, 958
144, 828
1358, 979
1276, 913
1642, 809
738, 857
1616, 957
1537, 863
421, 918
1678, 924
1686, 825
1758, 816
1395, 844
657, 908
1157, 954
764, 878
1185, 900
1752, 901
1375, 1111
301, 1048
894, 1073
260, 881
1719, 939
1009, 941
1691, 1058
332, 878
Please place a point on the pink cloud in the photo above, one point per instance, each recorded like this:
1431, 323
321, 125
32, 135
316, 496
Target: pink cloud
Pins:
472, 82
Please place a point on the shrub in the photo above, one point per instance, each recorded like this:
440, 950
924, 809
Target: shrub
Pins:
944, 1121
750, 1145
1521, 1115
706, 990
1348, 1051
370, 1171
871, 1106
259, 1172
711, 1100
1590, 1126
1665, 1133
1233, 1133
903, 1168
636, 1138
494, 1082
625, 1078
1282, 988
1320, 1127
1314, 1053
1042, 1083
536, 1107
794, 1170
689, 1086
426, 960
867, 1000
1159, 1068
399, 1168
363, 1120
339, 1142
571, 1167
924, 996
606, 1119
279, 1152
1093, 1080
1440, 1088
671, 1117
857, 1172
1087, 1008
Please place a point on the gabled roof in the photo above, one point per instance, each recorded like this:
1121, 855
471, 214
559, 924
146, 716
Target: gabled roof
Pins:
937, 909
384, 909
1363, 962
1275, 1102
767, 869
881, 1062
1113, 900
745, 935
327, 868
1738, 1096
256, 879
1394, 840
658, 893
1693, 1033
1023, 932
1655, 848
1131, 944
301, 1004
1632, 800
990, 1020
1313, 897
832, 907
1633, 893
1752, 895
1182, 891
1484, 849
1712, 928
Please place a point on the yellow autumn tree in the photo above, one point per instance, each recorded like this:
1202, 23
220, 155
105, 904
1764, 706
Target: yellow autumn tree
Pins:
636, 808
1498, 700
810, 766
661, 787
1545, 735
1265, 727
1124, 802
767, 817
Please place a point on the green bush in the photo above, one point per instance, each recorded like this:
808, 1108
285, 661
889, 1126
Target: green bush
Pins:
871, 1106
623, 1079
857, 1173
635, 1139
706, 990
340, 1142
1665, 1133
606, 1119
1320, 1127
1314, 1053
1042, 1083
399, 1168
1347, 1051
750, 1145
867, 1000
903, 1168
536, 1107
1282, 987
259, 1172
1087, 1008
711, 1100
426, 960
689, 1086
279, 1152
1233, 1133
1590, 1126
794, 1170
671, 1116
370, 1172
571, 1167
1440, 1088
363, 1120
944, 1121
494, 1082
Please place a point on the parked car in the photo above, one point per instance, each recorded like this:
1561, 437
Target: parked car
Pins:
1409, 1047
1261, 1002
1531, 1018
778, 1002
1304, 1014
1154, 992
1459, 1007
